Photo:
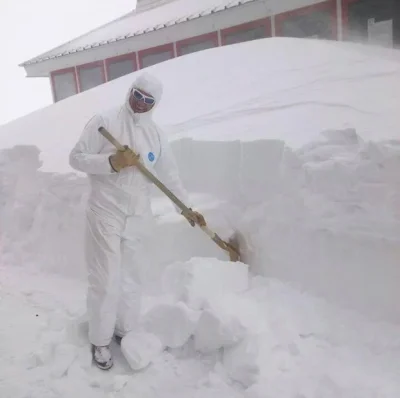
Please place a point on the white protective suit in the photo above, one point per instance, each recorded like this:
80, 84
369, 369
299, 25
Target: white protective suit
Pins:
119, 211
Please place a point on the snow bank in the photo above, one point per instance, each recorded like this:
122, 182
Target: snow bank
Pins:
333, 226
325, 217
41, 214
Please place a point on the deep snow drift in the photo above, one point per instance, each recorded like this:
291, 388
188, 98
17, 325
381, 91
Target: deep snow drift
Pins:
291, 148
282, 88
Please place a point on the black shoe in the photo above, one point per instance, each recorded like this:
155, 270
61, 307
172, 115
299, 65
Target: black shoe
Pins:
102, 357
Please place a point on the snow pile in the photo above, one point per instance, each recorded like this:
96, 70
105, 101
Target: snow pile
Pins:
199, 294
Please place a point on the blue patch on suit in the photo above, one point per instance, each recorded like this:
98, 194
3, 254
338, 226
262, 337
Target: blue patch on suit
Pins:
151, 156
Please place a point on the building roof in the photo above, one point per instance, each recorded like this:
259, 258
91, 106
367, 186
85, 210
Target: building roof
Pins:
135, 24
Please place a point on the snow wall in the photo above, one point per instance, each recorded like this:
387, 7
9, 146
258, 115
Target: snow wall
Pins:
329, 224
323, 215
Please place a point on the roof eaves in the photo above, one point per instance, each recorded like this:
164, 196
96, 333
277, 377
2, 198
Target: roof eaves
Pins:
142, 31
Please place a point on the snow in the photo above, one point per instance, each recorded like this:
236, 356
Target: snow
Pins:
320, 85
292, 150
306, 347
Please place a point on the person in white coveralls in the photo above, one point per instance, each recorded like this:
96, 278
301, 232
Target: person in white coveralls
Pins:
119, 211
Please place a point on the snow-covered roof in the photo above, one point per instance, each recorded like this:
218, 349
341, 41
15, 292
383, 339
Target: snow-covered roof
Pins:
139, 23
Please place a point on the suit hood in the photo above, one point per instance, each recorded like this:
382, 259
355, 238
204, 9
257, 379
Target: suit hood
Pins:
151, 85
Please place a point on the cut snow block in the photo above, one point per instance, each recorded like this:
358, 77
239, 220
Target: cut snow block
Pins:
173, 324
140, 349
199, 280
217, 329
226, 321
241, 362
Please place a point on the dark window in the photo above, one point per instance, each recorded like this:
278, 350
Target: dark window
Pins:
120, 68
90, 76
313, 24
199, 46
155, 58
64, 85
245, 35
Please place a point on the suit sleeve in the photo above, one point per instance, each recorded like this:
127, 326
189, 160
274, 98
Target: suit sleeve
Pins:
167, 171
86, 156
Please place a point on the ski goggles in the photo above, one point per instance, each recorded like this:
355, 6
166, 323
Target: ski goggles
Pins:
137, 94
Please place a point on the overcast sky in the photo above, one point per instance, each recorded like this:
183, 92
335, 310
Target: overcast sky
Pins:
30, 27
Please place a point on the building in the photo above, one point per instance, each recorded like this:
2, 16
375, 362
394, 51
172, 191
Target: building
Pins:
158, 30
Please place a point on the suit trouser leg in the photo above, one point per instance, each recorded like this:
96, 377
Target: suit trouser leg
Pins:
103, 257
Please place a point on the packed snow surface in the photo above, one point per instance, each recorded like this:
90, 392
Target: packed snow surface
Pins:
296, 146
272, 340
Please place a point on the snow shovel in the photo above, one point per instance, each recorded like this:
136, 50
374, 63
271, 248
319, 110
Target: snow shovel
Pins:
230, 247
